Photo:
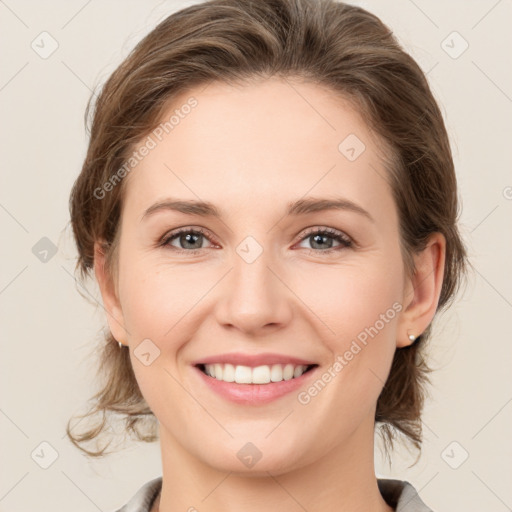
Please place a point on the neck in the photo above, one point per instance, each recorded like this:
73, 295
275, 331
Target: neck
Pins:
342, 480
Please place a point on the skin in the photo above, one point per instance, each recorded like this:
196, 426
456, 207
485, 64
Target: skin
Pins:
250, 150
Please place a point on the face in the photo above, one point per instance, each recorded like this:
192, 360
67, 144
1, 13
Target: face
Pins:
269, 287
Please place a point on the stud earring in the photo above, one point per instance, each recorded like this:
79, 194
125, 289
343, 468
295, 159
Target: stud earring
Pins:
120, 344
412, 337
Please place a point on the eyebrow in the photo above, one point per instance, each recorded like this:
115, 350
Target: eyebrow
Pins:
295, 208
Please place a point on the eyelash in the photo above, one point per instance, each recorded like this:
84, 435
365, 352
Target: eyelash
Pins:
345, 241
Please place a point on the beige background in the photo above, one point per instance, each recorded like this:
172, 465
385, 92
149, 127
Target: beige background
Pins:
48, 328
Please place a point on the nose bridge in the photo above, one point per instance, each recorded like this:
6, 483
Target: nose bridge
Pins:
253, 296
251, 271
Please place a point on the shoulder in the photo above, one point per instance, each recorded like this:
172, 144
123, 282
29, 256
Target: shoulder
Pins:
144, 497
401, 495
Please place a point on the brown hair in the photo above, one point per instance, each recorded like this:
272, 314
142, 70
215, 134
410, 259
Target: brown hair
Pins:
332, 44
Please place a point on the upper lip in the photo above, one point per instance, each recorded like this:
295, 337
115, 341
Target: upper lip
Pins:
253, 360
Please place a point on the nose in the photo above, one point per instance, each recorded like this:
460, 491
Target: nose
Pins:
253, 297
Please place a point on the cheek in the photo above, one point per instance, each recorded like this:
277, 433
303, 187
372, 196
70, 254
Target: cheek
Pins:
350, 299
360, 306
361, 309
159, 306
156, 300
347, 300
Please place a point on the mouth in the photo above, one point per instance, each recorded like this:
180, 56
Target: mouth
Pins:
253, 379
260, 375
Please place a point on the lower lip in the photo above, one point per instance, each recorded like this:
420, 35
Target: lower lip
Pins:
254, 394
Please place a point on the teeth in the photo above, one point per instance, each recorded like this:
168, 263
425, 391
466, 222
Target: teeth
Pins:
257, 375
243, 375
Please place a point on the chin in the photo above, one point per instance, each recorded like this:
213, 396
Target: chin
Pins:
254, 458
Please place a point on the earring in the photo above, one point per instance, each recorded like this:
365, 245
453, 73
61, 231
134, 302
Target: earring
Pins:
412, 337
120, 344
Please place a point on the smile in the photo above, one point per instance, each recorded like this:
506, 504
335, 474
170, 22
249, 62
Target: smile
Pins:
253, 385
263, 374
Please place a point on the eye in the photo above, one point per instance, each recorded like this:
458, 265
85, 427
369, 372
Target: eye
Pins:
319, 237
190, 239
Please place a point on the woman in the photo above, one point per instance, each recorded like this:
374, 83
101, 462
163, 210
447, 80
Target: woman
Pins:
269, 206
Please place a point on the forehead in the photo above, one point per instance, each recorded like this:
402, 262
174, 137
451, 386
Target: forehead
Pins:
258, 145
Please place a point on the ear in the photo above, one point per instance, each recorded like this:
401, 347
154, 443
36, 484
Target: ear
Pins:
422, 290
109, 295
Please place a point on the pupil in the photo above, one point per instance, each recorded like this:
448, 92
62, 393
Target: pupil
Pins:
319, 238
188, 236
